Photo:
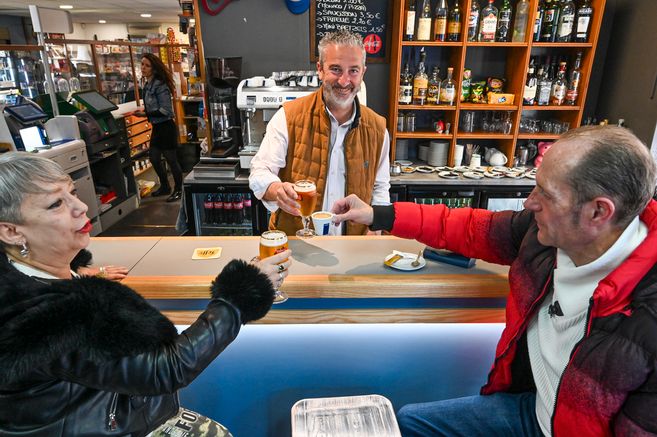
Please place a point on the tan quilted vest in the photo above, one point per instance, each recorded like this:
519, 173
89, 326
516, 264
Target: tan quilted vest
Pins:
309, 128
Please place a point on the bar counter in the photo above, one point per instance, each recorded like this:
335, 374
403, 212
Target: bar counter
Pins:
332, 280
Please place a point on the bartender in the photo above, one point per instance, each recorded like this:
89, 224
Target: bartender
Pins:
327, 137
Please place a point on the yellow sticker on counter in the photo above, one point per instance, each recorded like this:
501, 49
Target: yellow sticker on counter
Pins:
206, 253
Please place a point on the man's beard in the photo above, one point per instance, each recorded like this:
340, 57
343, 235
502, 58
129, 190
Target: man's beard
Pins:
333, 99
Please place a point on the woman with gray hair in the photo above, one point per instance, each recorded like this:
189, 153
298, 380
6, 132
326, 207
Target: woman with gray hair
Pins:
85, 356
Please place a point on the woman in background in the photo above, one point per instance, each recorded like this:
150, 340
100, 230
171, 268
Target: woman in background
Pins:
158, 107
86, 356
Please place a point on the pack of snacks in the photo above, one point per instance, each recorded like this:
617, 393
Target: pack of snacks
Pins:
500, 98
494, 85
466, 85
477, 90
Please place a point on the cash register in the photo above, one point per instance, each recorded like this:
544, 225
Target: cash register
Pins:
25, 122
97, 125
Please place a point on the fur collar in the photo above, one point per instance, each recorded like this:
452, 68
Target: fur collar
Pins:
100, 319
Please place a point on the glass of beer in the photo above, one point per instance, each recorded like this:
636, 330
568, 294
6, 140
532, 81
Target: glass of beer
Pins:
307, 192
271, 243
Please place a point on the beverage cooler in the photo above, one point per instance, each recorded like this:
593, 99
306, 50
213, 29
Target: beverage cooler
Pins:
224, 210
458, 197
501, 199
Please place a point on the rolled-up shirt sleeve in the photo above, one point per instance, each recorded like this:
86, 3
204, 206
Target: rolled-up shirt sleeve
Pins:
381, 192
270, 159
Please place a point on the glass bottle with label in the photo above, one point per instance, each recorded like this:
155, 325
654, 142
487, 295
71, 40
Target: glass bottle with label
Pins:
454, 23
409, 34
559, 86
573, 81
504, 22
544, 87
424, 22
488, 23
550, 21
420, 81
538, 22
520, 21
531, 85
566, 21
433, 90
440, 21
473, 21
448, 89
406, 87
583, 21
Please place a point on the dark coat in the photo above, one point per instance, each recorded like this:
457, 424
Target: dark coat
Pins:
609, 386
90, 357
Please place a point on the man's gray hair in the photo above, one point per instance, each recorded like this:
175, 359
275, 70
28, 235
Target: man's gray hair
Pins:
341, 38
21, 174
614, 164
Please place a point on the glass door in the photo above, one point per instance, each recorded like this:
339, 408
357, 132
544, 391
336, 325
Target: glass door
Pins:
115, 71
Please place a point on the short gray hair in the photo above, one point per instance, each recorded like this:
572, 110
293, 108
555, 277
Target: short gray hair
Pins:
21, 174
614, 163
341, 38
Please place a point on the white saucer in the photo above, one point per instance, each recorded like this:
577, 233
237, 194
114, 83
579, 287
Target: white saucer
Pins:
473, 175
448, 175
404, 162
405, 262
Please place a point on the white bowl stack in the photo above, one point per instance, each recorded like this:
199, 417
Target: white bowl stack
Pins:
438, 151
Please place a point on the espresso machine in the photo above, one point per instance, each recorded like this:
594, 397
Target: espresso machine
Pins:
223, 78
258, 99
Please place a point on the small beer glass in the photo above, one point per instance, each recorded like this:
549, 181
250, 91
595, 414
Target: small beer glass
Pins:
307, 192
271, 243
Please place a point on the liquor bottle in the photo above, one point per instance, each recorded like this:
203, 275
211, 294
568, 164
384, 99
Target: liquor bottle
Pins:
409, 35
531, 86
424, 22
573, 81
448, 89
488, 23
406, 87
544, 87
538, 22
218, 208
440, 21
433, 90
248, 211
238, 209
473, 21
208, 209
559, 86
550, 21
420, 81
504, 22
454, 23
520, 21
583, 20
566, 21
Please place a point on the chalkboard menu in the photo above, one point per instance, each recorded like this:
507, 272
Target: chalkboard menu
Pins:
369, 18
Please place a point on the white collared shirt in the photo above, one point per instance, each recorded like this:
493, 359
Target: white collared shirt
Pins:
32, 271
271, 158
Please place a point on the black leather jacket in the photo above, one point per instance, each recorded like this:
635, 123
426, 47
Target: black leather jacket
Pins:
90, 357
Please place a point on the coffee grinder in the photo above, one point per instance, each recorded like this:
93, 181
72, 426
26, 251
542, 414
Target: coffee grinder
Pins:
223, 78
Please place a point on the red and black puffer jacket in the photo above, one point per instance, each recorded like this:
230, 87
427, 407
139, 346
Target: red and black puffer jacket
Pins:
609, 386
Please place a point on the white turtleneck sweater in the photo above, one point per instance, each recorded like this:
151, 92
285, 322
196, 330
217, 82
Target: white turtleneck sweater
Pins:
551, 339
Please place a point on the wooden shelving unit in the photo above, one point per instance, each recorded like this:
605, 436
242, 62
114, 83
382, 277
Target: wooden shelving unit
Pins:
512, 62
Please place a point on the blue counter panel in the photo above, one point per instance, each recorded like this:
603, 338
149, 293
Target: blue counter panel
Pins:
252, 386
346, 303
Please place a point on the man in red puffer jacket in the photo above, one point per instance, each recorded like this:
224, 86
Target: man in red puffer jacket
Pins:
578, 354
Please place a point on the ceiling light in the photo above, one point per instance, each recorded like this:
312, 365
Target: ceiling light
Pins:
102, 21
145, 15
65, 6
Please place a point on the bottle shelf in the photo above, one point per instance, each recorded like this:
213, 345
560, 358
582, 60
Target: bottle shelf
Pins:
423, 134
143, 170
496, 44
432, 43
486, 107
484, 135
550, 108
538, 136
427, 108
563, 44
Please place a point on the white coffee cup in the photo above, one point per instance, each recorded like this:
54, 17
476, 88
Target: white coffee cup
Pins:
475, 161
322, 222
458, 155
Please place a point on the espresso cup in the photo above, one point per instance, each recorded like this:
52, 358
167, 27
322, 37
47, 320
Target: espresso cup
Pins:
322, 222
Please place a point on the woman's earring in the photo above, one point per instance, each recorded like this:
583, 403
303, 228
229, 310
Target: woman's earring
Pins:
25, 251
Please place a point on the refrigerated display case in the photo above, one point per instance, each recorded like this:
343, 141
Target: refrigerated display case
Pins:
453, 197
500, 199
21, 69
223, 209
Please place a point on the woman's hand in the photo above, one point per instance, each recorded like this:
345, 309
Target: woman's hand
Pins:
113, 273
275, 267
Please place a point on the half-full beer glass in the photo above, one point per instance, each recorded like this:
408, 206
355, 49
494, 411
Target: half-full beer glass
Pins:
271, 243
307, 192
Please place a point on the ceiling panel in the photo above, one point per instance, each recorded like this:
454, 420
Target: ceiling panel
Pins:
113, 11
